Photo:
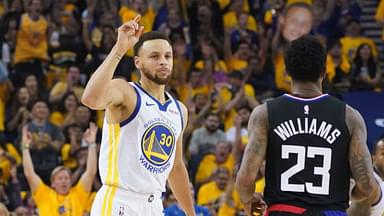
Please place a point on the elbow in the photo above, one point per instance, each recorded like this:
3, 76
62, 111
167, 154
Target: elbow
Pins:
88, 101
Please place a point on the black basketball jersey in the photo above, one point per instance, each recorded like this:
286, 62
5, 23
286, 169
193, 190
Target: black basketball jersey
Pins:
307, 154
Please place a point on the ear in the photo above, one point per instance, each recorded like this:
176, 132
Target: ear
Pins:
137, 61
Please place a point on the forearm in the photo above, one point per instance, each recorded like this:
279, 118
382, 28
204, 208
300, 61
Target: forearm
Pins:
91, 160
359, 208
27, 164
245, 186
180, 186
96, 89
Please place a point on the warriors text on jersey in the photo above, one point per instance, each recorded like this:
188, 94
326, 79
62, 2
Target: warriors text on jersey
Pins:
307, 154
138, 153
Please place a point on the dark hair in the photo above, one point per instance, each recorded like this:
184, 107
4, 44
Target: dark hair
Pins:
300, 5
358, 61
305, 59
61, 106
375, 145
152, 35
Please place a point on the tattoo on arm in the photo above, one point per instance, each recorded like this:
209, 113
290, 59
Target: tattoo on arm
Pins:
359, 156
255, 150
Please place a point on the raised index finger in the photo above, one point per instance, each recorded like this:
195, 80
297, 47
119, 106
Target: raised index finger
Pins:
137, 18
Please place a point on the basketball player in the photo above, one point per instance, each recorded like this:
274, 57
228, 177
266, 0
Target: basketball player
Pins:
363, 207
313, 144
141, 140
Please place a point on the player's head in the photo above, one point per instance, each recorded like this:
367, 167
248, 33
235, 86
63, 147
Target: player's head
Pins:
297, 21
61, 180
378, 156
153, 57
305, 59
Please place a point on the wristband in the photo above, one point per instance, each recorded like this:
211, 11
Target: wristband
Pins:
25, 146
93, 145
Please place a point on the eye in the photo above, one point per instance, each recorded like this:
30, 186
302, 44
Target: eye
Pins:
168, 56
154, 57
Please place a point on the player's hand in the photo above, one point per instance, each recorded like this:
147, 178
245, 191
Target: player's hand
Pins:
26, 137
256, 206
128, 34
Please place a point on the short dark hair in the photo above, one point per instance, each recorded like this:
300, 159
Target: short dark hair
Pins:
152, 35
305, 59
299, 5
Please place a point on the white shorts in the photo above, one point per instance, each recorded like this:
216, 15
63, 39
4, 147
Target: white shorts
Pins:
113, 201
378, 208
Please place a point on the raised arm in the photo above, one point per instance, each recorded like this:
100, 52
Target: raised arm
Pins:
253, 157
178, 178
101, 91
90, 172
360, 159
29, 172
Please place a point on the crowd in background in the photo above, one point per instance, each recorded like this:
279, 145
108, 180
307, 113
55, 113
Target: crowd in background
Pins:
228, 58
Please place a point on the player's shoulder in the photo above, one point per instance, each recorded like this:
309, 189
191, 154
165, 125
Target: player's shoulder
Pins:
353, 118
259, 115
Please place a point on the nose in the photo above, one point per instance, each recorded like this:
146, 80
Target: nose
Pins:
163, 61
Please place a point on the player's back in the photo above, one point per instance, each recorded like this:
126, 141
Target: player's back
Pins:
307, 154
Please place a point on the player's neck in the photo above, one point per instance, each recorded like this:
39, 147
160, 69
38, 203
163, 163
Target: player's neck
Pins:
306, 89
154, 89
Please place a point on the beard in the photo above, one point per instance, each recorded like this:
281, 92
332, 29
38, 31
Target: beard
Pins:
154, 78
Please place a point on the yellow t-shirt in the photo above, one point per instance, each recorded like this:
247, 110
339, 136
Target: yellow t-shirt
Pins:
208, 165
331, 69
31, 39
61, 87
299, 1
236, 64
226, 96
208, 193
219, 66
350, 45
57, 118
50, 203
68, 160
5, 164
230, 21
146, 20
282, 79
224, 3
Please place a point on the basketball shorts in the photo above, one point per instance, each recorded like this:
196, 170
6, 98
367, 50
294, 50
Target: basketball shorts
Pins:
377, 209
290, 210
113, 201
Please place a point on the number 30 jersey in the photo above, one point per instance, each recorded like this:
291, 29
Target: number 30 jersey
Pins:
307, 154
138, 153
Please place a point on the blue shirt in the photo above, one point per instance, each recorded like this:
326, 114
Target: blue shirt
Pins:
174, 210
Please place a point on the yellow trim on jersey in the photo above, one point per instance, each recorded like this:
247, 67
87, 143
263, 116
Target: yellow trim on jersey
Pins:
112, 180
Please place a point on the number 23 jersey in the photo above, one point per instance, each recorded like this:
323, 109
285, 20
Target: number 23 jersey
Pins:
307, 154
138, 153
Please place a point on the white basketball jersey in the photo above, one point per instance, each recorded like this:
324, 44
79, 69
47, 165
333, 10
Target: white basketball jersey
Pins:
138, 153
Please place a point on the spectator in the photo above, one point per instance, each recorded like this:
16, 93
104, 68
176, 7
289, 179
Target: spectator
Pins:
337, 67
205, 138
353, 39
295, 21
10, 191
65, 114
61, 196
31, 44
366, 74
47, 140
71, 84
222, 157
378, 158
238, 134
237, 93
18, 113
35, 89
